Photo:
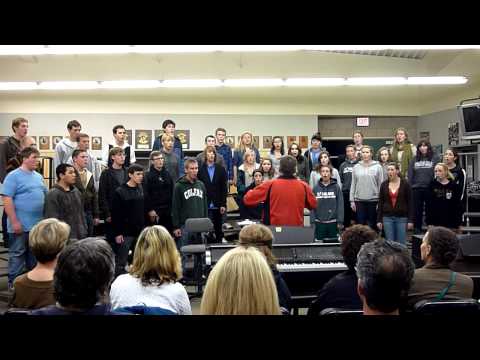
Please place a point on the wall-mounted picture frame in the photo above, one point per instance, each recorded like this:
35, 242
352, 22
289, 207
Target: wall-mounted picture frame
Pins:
267, 142
291, 139
256, 141
34, 138
96, 143
129, 137
230, 141
143, 139
44, 142
56, 140
303, 142
184, 136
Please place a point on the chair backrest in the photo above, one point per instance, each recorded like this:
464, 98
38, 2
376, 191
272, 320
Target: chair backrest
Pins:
447, 307
198, 225
340, 312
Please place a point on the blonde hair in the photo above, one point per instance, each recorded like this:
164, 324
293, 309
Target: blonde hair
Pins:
241, 283
447, 170
261, 237
241, 145
47, 238
156, 259
247, 153
166, 137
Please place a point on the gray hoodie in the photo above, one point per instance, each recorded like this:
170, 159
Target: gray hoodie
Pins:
366, 181
63, 151
329, 202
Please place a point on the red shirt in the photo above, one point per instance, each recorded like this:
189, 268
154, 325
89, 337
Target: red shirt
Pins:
288, 198
393, 197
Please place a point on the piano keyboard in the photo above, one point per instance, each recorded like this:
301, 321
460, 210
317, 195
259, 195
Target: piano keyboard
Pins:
299, 267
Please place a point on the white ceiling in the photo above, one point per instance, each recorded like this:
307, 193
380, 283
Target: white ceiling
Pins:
251, 65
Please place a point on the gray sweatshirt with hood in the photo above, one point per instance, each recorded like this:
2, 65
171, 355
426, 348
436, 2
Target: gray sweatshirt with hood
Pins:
366, 181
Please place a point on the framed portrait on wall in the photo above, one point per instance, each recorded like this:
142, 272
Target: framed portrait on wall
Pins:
143, 139
129, 137
34, 140
44, 142
184, 136
303, 142
267, 142
96, 143
230, 141
290, 140
256, 141
56, 140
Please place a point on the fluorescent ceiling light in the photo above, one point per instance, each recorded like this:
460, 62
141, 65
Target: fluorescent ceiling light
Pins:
315, 82
87, 49
22, 49
18, 85
192, 83
436, 80
253, 82
130, 84
68, 85
376, 81
125, 49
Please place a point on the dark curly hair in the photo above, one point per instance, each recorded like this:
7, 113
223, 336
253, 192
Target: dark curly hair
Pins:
444, 245
352, 240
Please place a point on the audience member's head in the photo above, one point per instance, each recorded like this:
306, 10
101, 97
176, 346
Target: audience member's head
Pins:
439, 246
288, 166
385, 271
84, 273
241, 283
352, 240
156, 259
47, 238
259, 236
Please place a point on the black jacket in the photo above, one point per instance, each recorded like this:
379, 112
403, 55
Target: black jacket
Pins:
107, 187
444, 206
128, 211
253, 212
339, 292
89, 194
284, 295
158, 189
217, 188
9, 156
404, 205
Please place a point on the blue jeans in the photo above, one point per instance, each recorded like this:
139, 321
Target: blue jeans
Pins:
19, 256
395, 228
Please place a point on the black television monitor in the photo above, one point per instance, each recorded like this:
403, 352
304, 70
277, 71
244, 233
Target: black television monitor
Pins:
469, 115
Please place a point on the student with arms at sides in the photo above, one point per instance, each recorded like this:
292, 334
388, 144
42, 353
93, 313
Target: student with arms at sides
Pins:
444, 204
383, 158
312, 155
451, 159
119, 140
64, 149
24, 195
246, 143
168, 127
346, 169
214, 177
367, 177
276, 153
226, 151
328, 215
296, 152
245, 178
420, 175
158, 189
402, 150
128, 216
395, 206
